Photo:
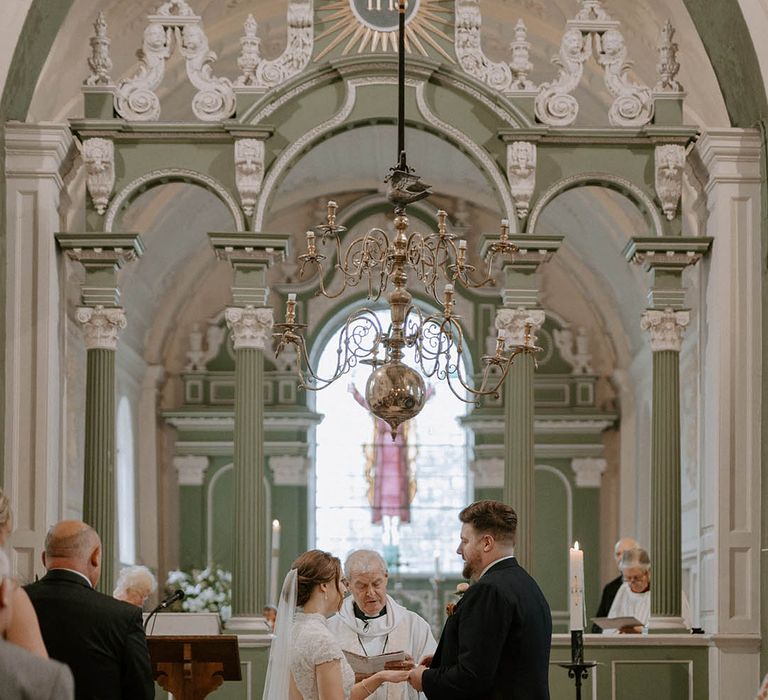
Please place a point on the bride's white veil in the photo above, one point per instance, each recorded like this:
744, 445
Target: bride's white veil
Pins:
278, 683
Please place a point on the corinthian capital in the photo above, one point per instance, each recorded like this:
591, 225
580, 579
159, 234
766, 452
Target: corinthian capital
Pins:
101, 326
665, 328
514, 322
251, 327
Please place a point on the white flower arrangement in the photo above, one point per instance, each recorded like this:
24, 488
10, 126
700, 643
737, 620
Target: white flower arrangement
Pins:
209, 590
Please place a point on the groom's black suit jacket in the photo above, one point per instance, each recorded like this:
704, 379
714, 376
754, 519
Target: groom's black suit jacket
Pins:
101, 639
496, 643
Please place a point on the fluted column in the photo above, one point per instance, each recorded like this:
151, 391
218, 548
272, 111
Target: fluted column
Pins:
666, 330
519, 486
101, 327
251, 330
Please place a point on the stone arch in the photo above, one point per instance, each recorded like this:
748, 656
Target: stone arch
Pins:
163, 176
628, 189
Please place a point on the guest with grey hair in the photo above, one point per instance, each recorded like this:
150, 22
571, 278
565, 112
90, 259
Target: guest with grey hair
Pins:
633, 598
371, 622
134, 585
24, 675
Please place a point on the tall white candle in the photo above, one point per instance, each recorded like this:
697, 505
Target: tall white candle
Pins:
437, 563
576, 587
276, 536
275, 562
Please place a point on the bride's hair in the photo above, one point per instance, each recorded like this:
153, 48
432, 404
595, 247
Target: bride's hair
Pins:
313, 568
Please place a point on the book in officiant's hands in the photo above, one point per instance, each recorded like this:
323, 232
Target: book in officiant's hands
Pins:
368, 665
617, 623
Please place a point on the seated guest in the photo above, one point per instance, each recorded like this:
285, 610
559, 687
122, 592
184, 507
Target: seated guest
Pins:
612, 587
23, 629
134, 585
270, 615
370, 622
23, 675
101, 639
633, 598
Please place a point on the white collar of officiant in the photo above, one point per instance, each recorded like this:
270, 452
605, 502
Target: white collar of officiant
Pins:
383, 625
493, 563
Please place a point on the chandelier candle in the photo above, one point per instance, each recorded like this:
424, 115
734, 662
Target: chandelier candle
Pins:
576, 597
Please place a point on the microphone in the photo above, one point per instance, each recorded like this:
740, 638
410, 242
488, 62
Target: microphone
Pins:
178, 594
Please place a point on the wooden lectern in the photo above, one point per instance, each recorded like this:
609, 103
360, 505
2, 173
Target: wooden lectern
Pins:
190, 666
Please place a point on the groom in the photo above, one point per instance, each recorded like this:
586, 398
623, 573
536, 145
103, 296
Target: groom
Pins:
496, 643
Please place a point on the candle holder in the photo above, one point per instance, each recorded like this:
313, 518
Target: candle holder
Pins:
578, 669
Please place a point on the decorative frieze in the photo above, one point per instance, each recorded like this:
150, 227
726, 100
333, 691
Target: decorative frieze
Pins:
260, 74
520, 325
665, 328
249, 171
588, 471
190, 469
99, 61
251, 327
574, 349
101, 326
521, 172
670, 163
289, 470
99, 161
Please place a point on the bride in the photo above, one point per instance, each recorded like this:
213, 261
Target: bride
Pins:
306, 661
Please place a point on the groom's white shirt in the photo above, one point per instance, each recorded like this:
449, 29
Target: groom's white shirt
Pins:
400, 630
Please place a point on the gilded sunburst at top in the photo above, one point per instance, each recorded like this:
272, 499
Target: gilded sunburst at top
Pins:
370, 26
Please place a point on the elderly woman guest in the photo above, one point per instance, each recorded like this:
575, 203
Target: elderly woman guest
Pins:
134, 585
24, 629
633, 598
306, 661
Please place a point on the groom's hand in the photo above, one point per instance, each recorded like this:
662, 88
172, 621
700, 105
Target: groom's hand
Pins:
426, 661
414, 677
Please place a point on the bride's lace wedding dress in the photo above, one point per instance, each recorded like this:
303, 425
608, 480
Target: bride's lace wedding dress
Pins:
313, 644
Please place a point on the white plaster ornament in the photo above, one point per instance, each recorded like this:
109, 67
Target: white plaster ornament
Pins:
670, 164
99, 161
101, 326
521, 172
249, 171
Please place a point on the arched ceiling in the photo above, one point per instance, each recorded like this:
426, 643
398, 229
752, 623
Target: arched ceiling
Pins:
595, 224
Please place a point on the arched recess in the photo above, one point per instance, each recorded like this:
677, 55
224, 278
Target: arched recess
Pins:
631, 191
163, 176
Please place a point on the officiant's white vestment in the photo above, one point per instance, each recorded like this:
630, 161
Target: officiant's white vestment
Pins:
630, 604
398, 630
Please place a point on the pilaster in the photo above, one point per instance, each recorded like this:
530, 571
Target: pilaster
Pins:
38, 160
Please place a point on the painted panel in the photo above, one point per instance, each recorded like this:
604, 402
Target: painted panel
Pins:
631, 680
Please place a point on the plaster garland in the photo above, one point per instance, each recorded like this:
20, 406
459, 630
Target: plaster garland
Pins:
99, 161
251, 327
665, 328
670, 164
521, 172
514, 321
249, 171
99, 61
101, 326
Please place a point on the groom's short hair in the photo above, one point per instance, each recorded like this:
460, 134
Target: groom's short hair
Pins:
493, 518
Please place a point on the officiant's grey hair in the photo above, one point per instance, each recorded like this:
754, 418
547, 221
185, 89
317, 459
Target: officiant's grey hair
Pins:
362, 561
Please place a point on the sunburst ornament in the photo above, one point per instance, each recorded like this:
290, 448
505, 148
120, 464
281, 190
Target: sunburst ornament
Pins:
370, 26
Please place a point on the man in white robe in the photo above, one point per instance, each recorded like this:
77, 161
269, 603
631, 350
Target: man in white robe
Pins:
370, 622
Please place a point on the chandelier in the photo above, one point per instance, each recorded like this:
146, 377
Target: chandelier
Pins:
396, 392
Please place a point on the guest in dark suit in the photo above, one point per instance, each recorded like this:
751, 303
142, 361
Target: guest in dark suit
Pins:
23, 674
496, 643
612, 587
101, 639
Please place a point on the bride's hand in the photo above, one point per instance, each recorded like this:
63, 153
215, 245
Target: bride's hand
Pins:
391, 676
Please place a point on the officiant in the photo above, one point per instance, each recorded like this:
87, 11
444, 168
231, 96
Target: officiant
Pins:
370, 622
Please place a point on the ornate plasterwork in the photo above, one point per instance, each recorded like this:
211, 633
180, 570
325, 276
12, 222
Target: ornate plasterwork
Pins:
101, 326
251, 327
488, 471
593, 28
261, 74
198, 356
99, 160
574, 350
289, 470
514, 323
249, 171
670, 164
190, 469
668, 67
182, 174
521, 172
501, 76
174, 24
588, 471
99, 61
665, 328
